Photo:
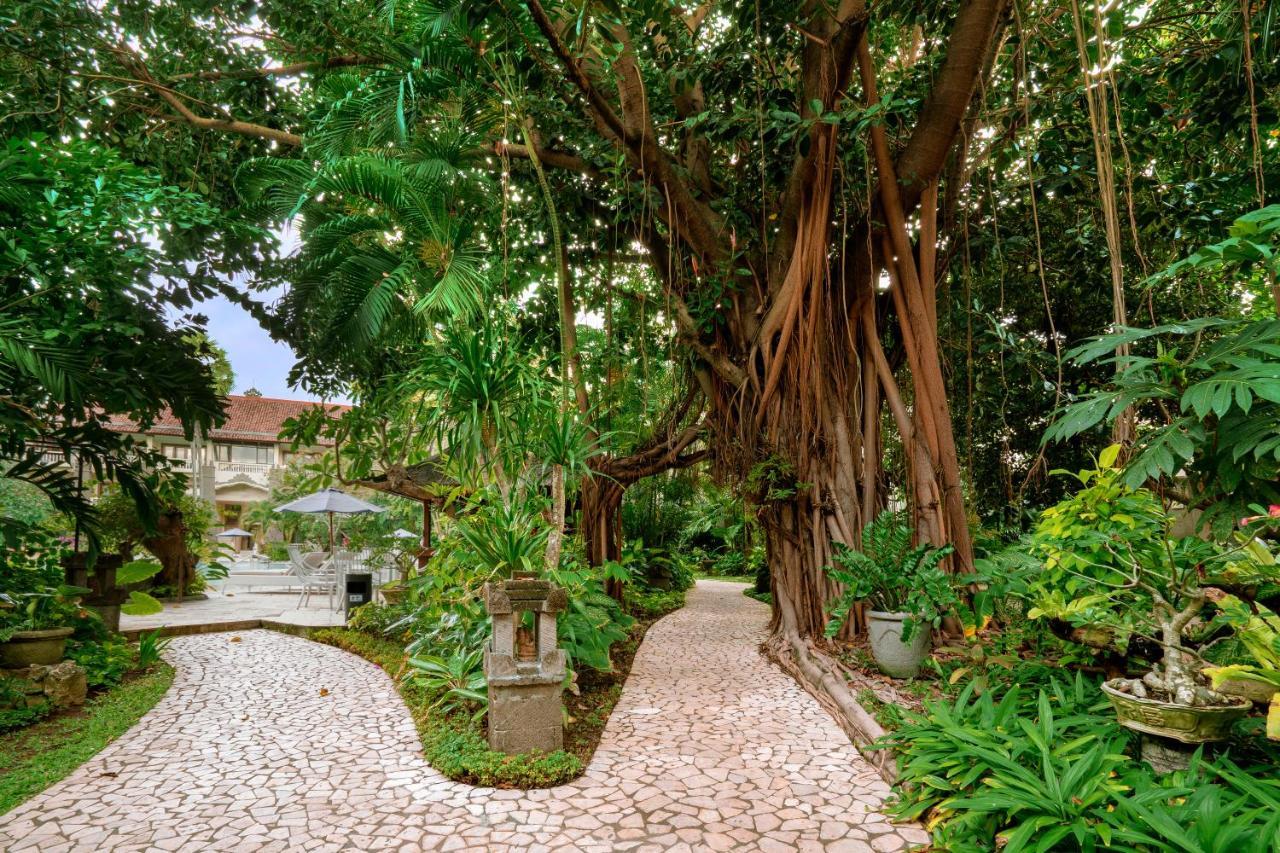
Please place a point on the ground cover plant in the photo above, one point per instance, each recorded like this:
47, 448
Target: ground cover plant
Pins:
447, 699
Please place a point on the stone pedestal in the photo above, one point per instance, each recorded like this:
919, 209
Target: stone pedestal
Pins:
104, 596
524, 668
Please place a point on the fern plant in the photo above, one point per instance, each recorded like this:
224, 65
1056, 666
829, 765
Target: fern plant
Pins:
892, 576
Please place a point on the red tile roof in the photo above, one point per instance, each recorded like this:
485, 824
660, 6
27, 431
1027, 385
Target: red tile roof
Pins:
249, 419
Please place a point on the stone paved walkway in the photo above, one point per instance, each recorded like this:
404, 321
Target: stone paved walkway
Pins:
710, 748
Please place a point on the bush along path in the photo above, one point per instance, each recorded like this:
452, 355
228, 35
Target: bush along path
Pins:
276, 743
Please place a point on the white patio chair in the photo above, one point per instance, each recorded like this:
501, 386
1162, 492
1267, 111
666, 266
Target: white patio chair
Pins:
315, 572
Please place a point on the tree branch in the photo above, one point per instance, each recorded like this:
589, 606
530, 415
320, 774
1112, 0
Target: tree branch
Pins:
565, 160
291, 70
939, 122
240, 128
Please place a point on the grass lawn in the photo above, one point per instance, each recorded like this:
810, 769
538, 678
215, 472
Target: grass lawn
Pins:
729, 578
33, 758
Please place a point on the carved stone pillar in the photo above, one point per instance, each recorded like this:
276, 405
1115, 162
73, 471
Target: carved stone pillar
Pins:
524, 667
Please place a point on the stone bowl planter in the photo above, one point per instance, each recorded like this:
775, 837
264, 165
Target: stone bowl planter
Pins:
896, 658
1185, 723
393, 594
34, 647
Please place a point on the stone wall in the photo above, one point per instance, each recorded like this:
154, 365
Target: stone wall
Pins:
62, 685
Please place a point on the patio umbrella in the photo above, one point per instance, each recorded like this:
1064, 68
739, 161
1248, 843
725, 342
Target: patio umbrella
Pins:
240, 536
401, 533
330, 501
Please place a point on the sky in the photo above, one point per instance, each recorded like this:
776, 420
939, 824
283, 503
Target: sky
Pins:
257, 361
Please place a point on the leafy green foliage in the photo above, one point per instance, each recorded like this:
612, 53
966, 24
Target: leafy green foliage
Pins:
23, 715
105, 662
593, 622
150, 646
892, 576
1208, 388
456, 681
1078, 537
1211, 807
1052, 771
80, 340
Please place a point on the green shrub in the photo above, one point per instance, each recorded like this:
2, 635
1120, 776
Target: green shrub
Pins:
646, 603
105, 662
23, 716
463, 755
1053, 771
277, 552
14, 711
377, 619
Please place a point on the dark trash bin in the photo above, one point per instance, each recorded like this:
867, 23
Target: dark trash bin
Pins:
359, 591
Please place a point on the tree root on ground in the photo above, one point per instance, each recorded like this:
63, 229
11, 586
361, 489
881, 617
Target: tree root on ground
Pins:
822, 677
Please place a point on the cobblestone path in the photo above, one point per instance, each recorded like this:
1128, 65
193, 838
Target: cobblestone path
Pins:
276, 743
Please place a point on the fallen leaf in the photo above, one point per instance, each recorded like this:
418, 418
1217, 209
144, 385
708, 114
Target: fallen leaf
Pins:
110, 773
236, 640
324, 691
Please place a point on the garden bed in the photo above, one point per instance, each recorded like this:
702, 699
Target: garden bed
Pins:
37, 756
455, 743
984, 755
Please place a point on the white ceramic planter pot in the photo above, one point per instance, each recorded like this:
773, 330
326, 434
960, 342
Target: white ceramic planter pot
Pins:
896, 658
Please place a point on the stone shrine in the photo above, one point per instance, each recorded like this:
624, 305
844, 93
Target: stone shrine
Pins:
524, 667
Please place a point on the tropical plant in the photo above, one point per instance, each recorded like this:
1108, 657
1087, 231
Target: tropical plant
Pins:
81, 341
503, 538
1207, 391
1019, 772
150, 647
1258, 630
456, 681
593, 622
105, 661
892, 576
1211, 807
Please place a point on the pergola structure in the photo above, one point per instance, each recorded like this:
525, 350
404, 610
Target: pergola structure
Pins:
425, 482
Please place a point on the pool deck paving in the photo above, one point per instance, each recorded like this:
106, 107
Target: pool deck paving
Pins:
268, 742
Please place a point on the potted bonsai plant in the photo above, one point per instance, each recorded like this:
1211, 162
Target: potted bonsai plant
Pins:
1175, 699
1110, 555
905, 587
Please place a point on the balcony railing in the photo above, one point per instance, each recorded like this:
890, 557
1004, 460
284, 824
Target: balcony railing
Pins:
243, 468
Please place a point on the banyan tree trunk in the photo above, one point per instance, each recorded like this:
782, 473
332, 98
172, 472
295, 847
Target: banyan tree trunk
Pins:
601, 500
169, 545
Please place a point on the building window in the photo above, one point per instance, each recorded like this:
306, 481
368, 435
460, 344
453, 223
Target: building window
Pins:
253, 454
177, 451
